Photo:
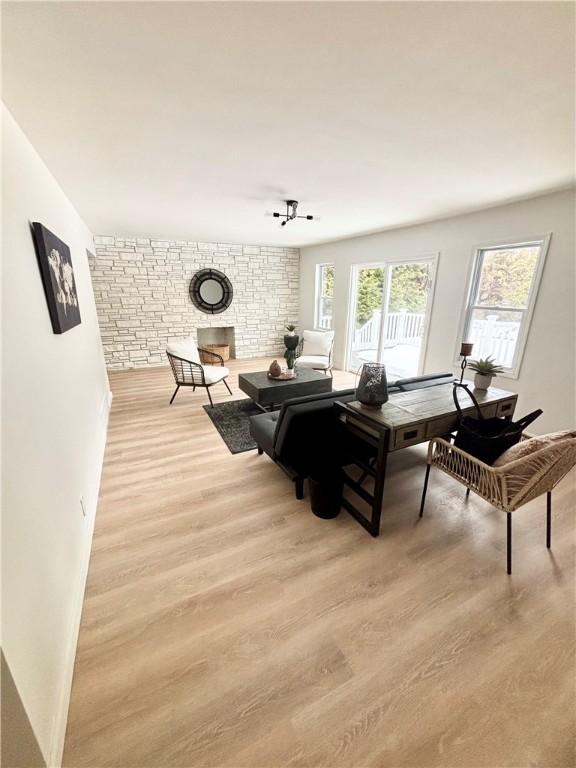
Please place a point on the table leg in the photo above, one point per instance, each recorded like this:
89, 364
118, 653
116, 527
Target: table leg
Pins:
372, 524
381, 462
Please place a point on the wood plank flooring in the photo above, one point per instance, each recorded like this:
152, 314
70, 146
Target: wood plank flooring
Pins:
225, 625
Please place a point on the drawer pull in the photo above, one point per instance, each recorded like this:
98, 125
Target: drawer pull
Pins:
409, 435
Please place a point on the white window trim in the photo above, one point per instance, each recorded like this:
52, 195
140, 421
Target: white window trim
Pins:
429, 256
543, 241
317, 289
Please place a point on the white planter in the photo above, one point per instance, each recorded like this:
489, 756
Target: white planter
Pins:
481, 381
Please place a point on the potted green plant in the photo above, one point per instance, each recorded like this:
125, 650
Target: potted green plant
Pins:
485, 370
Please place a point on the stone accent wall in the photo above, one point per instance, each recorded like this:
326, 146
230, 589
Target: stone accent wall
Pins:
141, 290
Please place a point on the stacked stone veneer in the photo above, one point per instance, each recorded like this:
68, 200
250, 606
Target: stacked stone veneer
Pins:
141, 289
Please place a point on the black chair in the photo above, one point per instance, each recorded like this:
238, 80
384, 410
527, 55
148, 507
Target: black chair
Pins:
193, 373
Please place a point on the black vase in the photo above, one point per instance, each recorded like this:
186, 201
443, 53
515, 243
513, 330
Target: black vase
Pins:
372, 389
291, 342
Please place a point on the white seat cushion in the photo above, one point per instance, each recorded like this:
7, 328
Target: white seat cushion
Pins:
187, 349
313, 361
317, 342
214, 373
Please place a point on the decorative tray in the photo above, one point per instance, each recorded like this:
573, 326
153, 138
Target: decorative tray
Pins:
282, 377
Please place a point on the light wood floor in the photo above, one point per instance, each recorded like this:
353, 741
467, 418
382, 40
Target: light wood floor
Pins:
225, 625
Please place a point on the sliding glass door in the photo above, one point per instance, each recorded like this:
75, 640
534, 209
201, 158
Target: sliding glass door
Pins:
391, 303
368, 292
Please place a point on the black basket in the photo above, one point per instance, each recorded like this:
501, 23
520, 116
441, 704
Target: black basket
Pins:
487, 438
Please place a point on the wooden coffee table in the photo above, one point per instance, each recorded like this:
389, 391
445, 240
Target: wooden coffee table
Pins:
268, 393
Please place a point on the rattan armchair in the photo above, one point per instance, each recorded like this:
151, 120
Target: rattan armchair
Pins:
188, 371
509, 486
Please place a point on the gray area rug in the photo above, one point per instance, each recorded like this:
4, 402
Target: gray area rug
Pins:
232, 420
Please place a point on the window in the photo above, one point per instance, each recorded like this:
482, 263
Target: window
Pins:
324, 295
501, 299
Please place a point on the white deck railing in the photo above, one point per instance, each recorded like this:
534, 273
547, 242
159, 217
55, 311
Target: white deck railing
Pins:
324, 317
495, 338
401, 328
489, 336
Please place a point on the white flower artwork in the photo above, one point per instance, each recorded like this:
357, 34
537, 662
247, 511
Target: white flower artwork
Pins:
58, 278
63, 275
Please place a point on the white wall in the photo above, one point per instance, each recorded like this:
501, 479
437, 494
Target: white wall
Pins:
55, 408
546, 377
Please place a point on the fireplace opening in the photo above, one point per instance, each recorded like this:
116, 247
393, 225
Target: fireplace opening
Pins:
214, 337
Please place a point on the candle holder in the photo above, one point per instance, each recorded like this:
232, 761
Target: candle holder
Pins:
372, 390
465, 352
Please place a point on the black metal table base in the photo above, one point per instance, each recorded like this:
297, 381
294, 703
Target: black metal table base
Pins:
375, 469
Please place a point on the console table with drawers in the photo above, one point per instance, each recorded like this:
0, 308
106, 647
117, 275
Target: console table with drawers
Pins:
408, 418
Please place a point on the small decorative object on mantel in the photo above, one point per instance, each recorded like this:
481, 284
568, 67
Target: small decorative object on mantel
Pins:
465, 351
485, 371
274, 371
58, 278
372, 390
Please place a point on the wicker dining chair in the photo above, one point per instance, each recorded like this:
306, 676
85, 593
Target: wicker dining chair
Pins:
510, 485
188, 371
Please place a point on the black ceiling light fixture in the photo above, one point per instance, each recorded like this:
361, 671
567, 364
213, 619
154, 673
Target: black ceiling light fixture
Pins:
290, 215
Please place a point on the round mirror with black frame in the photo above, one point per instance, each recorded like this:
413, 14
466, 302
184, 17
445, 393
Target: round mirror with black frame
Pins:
211, 291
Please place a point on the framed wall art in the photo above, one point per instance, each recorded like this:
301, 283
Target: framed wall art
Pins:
58, 278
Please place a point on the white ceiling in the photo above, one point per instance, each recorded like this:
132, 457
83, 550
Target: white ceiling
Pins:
192, 120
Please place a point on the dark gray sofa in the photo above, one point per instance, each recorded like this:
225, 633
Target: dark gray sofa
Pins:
293, 435
421, 382
305, 429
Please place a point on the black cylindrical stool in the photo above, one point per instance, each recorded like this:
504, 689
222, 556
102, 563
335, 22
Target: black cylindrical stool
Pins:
326, 494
